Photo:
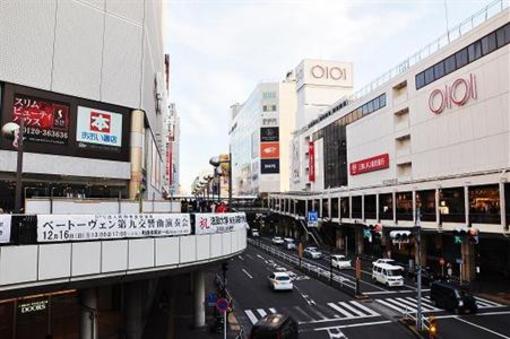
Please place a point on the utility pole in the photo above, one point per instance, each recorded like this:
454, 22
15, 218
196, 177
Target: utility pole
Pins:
419, 322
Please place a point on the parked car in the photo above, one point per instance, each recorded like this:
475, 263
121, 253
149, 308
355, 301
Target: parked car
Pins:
280, 281
340, 261
387, 261
312, 252
290, 244
277, 240
452, 298
275, 326
388, 275
255, 233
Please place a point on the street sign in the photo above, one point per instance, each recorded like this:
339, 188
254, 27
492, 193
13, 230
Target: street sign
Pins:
222, 305
212, 297
313, 219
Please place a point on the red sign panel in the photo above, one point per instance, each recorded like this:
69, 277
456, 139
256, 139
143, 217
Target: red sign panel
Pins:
44, 121
311, 161
100, 122
269, 150
376, 163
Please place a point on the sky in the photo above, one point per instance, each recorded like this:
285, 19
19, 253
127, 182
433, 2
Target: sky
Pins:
221, 49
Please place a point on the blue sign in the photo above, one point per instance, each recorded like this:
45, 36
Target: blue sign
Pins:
222, 305
313, 219
211, 299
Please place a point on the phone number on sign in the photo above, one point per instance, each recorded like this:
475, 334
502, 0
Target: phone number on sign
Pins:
46, 133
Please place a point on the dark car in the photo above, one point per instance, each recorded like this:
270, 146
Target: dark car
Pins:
275, 326
452, 298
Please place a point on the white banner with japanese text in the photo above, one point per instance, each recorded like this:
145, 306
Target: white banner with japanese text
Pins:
5, 228
86, 227
207, 223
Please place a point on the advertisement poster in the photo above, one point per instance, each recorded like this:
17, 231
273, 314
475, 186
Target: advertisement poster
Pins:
44, 121
268, 134
209, 223
311, 161
85, 227
98, 127
5, 228
376, 163
269, 150
270, 166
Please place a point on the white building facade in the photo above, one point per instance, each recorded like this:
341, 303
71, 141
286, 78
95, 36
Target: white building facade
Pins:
432, 139
75, 62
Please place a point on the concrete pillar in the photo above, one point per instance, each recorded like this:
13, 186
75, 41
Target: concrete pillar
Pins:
199, 298
422, 252
359, 240
88, 314
133, 311
467, 271
340, 240
137, 137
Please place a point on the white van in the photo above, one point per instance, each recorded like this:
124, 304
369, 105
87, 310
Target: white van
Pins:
389, 275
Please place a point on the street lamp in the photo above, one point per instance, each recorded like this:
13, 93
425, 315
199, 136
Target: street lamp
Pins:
15, 132
217, 161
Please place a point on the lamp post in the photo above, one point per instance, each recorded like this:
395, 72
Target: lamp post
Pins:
12, 130
217, 161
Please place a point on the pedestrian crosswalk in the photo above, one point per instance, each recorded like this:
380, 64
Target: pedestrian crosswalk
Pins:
409, 304
341, 310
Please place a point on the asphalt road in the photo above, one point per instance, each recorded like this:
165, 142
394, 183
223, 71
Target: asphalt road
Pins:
326, 312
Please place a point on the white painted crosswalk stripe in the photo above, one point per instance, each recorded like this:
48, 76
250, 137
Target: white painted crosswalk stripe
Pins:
272, 310
340, 310
364, 308
251, 316
261, 312
409, 304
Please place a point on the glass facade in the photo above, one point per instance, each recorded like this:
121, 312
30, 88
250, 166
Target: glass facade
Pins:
370, 206
451, 205
404, 202
344, 207
356, 207
426, 201
386, 206
484, 204
334, 208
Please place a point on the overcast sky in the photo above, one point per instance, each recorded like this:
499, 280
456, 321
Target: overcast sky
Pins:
221, 49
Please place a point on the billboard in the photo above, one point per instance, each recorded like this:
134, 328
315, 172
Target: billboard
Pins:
97, 127
268, 134
375, 163
45, 121
270, 166
311, 161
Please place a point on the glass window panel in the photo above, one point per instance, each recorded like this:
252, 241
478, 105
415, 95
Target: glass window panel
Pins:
382, 100
370, 106
386, 206
450, 65
420, 80
439, 70
451, 205
507, 33
489, 43
429, 75
461, 57
474, 51
426, 201
484, 204
500, 37
376, 103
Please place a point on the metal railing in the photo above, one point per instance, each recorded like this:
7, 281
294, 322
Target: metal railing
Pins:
410, 315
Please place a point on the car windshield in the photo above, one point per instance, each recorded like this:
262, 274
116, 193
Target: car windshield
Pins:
394, 272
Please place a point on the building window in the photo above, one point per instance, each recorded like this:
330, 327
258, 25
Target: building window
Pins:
474, 51
461, 57
273, 108
507, 200
420, 80
386, 206
439, 70
334, 208
489, 43
356, 207
449, 64
426, 201
451, 205
325, 208
404, 202
264, 108
301, 208
370, 206
484, 205
344, 207
429, 76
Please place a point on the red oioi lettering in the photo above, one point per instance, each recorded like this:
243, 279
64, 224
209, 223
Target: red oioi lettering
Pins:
458, 93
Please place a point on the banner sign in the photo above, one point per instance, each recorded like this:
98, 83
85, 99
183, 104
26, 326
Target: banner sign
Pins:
269, 166
5, 228
269, 134
86, 227
44, 121
376, 163
269, 150
311, 161
208, 223
99, 127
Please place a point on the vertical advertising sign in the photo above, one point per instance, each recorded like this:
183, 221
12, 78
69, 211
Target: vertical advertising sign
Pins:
45, 121
311, 161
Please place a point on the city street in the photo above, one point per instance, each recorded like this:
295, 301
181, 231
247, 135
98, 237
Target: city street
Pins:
326, 312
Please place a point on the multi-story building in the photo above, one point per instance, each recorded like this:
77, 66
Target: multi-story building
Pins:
88, 78
430, 139
261, 135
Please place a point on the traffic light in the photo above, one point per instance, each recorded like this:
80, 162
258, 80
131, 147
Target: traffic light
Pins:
432, 327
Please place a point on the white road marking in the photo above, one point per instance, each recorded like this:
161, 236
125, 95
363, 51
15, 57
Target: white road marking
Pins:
393, 307
364, 308
340, 310
272, 310
353, 325
395, 292
352, 309
297, 308
336, 334
261, 312
486, 303
246, 272
240, 257
251, 316
483, 328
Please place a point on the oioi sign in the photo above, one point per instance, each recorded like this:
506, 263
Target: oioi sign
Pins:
458, 93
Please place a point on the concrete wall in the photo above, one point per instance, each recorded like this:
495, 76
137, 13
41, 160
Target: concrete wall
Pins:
46, 264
